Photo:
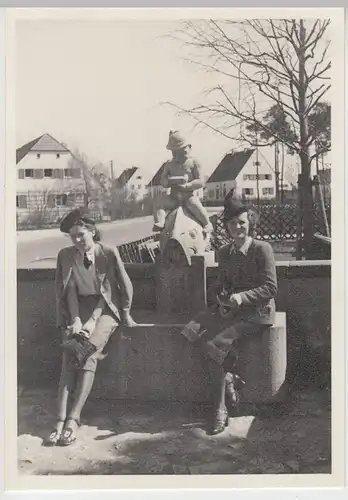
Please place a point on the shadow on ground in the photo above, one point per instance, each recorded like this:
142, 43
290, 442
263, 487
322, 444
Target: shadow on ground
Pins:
133, 438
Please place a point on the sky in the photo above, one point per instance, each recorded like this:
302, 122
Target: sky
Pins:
98, 86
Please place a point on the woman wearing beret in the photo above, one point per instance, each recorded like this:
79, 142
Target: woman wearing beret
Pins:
245, 292
94, 295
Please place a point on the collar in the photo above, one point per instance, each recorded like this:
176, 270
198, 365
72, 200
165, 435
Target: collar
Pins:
243, 249
90, 254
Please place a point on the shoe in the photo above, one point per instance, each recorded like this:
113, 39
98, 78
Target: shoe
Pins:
233, 384
220, 421
54, 437
208, 228
68, 435
157, 228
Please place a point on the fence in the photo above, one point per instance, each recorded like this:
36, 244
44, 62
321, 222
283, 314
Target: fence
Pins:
277, 223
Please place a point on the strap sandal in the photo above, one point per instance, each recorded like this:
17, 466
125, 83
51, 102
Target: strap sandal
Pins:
54, 437
233, 384
68, 435
220, 421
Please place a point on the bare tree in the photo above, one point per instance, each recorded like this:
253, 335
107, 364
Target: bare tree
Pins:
260, 63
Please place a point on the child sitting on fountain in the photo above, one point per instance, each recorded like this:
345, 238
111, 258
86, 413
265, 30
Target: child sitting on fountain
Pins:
183, 175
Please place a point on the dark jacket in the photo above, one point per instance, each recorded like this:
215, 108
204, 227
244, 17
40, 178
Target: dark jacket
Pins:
253, 276
115, 285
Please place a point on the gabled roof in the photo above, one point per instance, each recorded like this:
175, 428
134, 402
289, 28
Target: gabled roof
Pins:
230, 166
156, 179
125, 176
43, 143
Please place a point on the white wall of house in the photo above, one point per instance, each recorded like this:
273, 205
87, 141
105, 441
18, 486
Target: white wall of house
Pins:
218, 190
246, 181
48, 180
137, 185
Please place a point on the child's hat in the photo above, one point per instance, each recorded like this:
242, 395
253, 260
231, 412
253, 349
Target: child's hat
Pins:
176, 141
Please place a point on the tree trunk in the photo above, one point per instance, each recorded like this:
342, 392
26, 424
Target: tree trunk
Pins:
307, 192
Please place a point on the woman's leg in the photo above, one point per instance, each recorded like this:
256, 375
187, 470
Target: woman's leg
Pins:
217, 381
105, 326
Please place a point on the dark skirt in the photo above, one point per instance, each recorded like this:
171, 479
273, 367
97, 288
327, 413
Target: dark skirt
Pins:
106, 325
216, 335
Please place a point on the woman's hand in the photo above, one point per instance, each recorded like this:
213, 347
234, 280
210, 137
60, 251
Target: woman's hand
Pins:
76, 326
89, 326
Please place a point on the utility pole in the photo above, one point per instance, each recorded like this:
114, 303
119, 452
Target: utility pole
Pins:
276, 169
257, 176
112, 170
307, 191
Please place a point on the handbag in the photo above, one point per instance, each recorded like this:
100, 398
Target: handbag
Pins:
80, 347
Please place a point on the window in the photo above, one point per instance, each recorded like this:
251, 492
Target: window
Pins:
250, 177
48, 172
61, 200
256, 163
139, 177
29, 172
132, 186
248, 191
58, 156
67, 172
268, 177
210, 193
21, 201
38, 156
139, 186
267, 191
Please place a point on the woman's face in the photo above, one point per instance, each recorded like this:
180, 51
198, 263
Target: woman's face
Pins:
82, 237
238, 227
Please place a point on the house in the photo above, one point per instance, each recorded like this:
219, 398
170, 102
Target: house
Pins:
132, 183
49, 179
247, 172
155, 187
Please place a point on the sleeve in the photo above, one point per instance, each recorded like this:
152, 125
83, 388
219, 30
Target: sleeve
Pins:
61, 312
197, 171
164, 176
268, 286
124, 282
220, 283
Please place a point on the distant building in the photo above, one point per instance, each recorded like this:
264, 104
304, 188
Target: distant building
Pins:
132, 183
246, 172
49, 179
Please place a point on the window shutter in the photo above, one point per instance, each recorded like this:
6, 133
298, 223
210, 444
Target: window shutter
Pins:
38, 173
22, 201
51, 200
60, 173
76, 173
56, 173
21, 173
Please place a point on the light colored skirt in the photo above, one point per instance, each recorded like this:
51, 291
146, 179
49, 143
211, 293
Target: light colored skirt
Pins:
106, 325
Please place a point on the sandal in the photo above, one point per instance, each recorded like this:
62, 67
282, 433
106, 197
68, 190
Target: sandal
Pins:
233, 384
54, 437
68, 435
220, 421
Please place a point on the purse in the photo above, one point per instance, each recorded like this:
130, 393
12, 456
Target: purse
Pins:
80, 347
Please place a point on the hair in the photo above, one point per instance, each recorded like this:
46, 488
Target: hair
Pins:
253, 218
90, 227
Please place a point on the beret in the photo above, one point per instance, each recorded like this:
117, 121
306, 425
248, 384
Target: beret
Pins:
233, 208
72, 218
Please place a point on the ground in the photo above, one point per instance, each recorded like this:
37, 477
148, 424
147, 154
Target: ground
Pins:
134, 438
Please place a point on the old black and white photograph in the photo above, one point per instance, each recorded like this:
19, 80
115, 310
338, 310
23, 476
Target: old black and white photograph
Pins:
174, 180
